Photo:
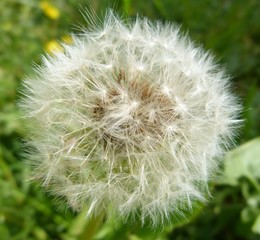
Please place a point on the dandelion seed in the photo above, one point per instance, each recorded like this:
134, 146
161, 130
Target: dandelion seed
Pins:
131, 117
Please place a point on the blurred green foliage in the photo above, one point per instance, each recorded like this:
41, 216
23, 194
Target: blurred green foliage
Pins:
230, 29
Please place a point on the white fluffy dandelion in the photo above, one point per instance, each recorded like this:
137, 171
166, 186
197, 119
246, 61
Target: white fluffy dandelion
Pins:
132, 117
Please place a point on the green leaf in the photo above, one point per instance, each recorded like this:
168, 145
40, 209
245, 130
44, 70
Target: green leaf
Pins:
256, 226
243, 161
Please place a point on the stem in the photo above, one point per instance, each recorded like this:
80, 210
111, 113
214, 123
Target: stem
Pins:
84, 228
91, 228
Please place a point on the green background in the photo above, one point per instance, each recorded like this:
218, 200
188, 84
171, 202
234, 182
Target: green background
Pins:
229, 29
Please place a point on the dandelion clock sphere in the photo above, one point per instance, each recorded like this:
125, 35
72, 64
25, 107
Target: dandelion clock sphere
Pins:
132, 118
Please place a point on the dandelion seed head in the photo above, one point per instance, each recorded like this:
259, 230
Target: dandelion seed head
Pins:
131, 117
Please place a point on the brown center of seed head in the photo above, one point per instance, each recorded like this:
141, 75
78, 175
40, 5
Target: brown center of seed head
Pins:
133, 112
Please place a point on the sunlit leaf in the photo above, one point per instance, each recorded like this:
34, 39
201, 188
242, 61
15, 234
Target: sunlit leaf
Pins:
256, 226
243, 161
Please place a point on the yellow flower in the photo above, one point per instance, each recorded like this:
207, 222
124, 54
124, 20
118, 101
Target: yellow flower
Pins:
67, 39
53, 46
51, 11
